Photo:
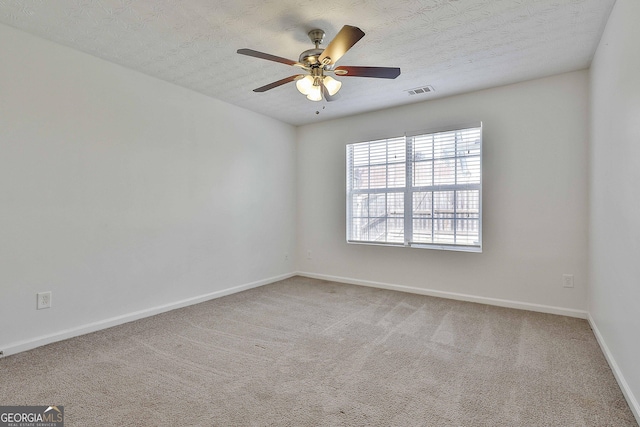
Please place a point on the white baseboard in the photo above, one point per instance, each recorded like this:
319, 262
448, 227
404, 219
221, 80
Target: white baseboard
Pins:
118, 320
581, 314
624, 386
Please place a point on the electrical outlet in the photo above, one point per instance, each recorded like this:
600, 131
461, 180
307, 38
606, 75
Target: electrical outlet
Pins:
308, 254
567, 280
44, 300
286, 257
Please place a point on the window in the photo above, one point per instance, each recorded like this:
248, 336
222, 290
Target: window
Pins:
422, 190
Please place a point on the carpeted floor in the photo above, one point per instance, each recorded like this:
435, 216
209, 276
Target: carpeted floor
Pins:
305, 352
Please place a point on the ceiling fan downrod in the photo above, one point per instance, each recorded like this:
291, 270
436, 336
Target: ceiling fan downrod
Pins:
316, 37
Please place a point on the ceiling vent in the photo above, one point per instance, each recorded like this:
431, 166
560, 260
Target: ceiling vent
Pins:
420, 90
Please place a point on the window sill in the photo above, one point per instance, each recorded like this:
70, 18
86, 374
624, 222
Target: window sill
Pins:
454, 248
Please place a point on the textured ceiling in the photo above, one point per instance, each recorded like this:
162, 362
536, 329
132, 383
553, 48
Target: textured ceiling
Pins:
453, 45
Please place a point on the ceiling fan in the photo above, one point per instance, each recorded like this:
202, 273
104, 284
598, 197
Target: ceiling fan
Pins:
317, 62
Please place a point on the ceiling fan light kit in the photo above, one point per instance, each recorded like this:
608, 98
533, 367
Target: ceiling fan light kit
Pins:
318, 63
312, 86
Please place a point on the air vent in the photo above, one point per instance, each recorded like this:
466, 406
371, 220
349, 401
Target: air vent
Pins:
420, 90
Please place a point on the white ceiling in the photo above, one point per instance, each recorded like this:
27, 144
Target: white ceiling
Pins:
453, 45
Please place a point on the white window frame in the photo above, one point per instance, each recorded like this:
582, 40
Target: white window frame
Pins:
408, 190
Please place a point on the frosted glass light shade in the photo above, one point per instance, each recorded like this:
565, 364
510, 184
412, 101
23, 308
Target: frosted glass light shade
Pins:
332, 85
305, 85
315, 94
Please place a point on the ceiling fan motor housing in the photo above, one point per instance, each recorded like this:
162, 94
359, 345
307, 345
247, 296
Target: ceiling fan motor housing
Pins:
310, 57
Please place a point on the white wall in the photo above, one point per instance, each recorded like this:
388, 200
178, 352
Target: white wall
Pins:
535, 196
614, 228
122, 193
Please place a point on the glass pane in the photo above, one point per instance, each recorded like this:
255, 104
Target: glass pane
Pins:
397, 151
360, 154
360, 205
378, 176
443, 202
422, 203
444, 145
422, 220
378, 153
469, 170
422, 230
395, 204
423, 173
468, 204
468, 142
377, 205
422, 147
359, 213
467, 232
443, 228
360, 177
395, 230
397, 175
443, 218
395, 217
378, 217
444, 172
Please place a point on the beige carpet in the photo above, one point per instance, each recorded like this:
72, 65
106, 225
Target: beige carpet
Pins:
304, 352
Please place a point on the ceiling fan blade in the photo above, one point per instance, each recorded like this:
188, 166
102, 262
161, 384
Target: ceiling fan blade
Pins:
378, 72
268, 57
278, 83
341, 43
